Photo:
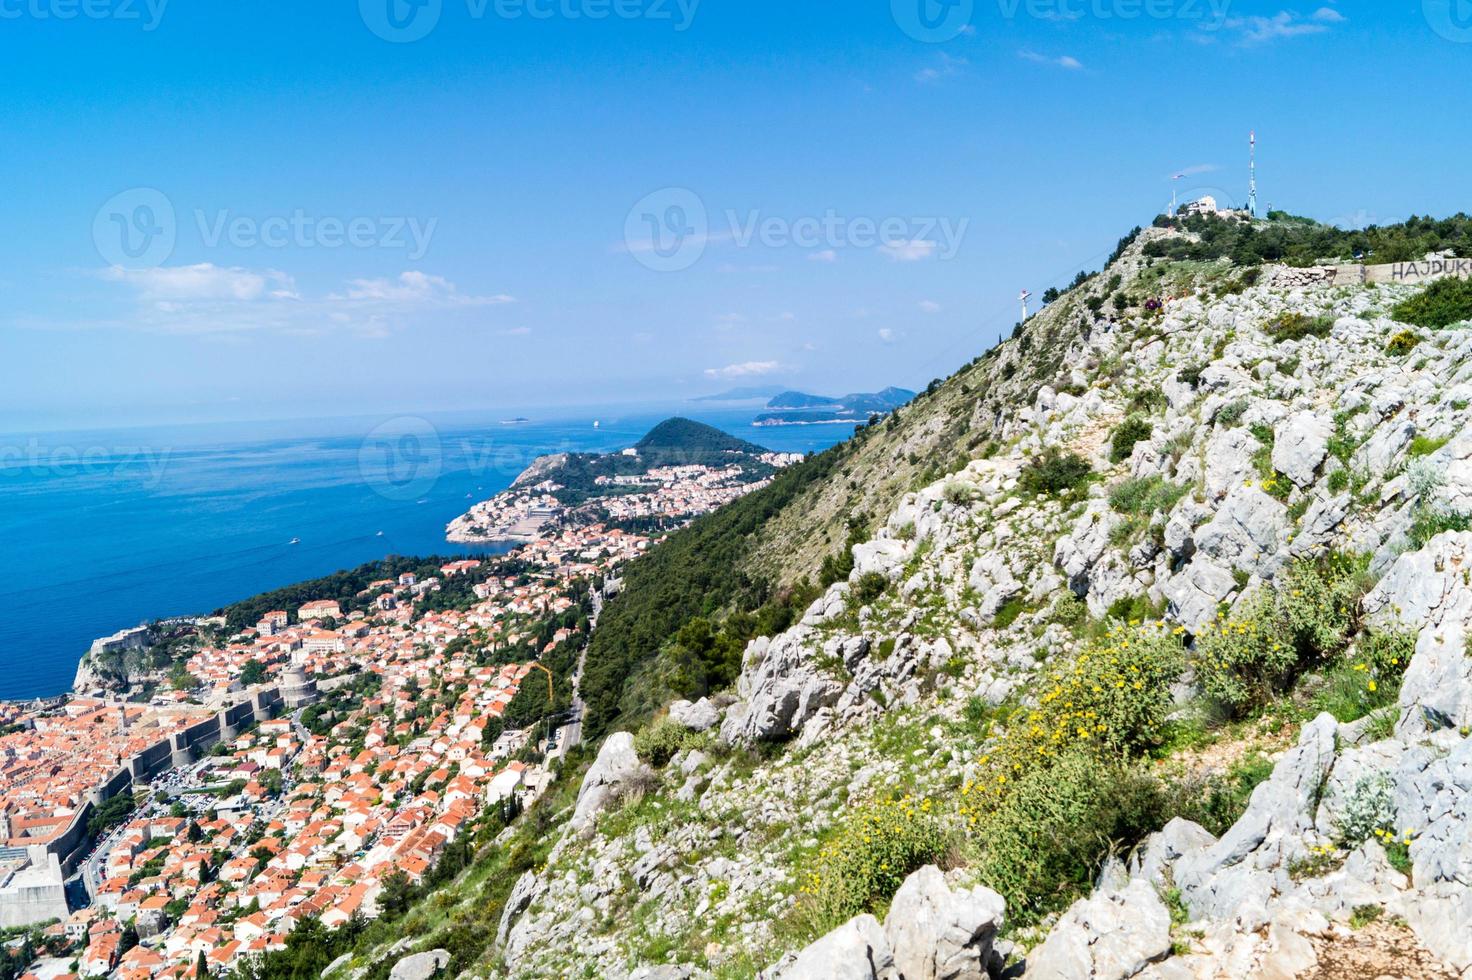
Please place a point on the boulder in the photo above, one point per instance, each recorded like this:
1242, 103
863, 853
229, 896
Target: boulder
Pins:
856, 950
1229, 461
617, 764
1195, 594
1155, 859
1320, 522
523, 893
421, 966
1239, 873
1378, 456
781, 687
701, 716
1247, 533
1110, 936
1300, 443
940, 934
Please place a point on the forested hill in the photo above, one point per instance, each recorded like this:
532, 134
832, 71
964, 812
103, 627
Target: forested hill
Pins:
687, 442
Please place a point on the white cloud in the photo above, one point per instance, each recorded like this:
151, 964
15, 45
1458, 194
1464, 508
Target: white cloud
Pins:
929, 306
911, 251
944, 67
204, 281
886, 335
516, 332
827, 255
1067, 61
207, 299
1284, 24
746, 369
418, 287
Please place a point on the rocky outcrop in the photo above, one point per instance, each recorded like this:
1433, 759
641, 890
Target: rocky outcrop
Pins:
940, 934
781, 688
700, 716
1111, 936
1300, 444
615, 768
421, 966
932, 932
856, 950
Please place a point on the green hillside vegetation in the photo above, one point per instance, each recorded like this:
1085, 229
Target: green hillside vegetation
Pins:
1301, 242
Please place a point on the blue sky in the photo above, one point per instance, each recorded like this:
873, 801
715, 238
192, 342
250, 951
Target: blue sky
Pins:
322, 221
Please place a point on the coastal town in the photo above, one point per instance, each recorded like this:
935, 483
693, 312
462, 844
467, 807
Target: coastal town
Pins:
318, 764
679, 471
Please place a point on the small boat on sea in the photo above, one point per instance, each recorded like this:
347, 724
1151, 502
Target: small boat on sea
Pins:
296, 540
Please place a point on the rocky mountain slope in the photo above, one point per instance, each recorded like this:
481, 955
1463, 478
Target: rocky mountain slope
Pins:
1153, 662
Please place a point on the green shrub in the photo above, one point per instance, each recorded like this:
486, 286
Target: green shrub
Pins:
1133, 609
864, 863
1425, 446
656, 744
1055, 473
1443, 303
1045, 843
1190, 375
1132, 430
1363, 915
1368, 811
1143, 496
1431, 521
1245, 661
959, 493
1229, 415
1402, 343
870, 587
1296, 326
1368, 677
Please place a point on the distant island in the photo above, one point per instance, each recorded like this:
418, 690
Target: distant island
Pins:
801, 408
749, 394
680, 470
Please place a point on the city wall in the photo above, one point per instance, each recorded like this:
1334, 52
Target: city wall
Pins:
179, 749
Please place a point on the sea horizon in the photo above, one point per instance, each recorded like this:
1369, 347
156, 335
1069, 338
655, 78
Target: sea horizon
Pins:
111, 528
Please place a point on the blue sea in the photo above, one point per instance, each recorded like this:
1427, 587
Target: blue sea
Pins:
105, 530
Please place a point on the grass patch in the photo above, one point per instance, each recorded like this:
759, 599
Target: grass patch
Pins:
1297, 326
1425, 446
1145, 495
